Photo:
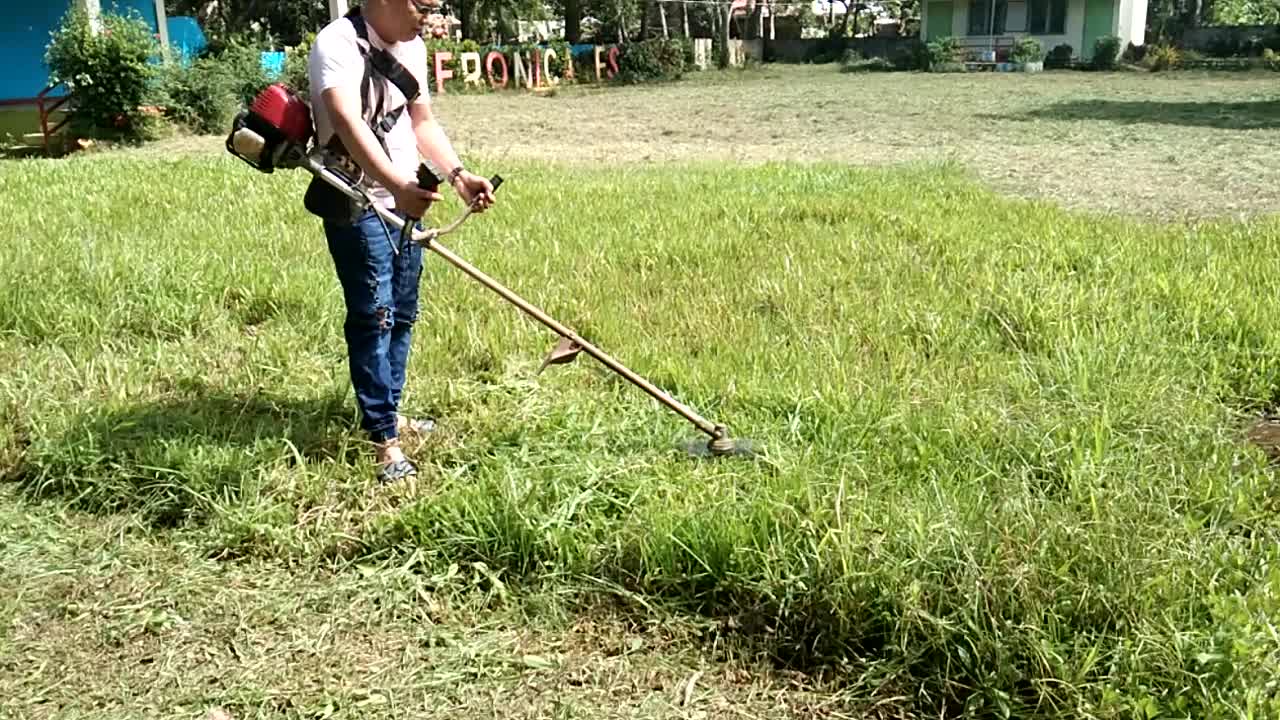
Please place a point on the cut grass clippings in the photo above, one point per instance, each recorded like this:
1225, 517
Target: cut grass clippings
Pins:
1004, 475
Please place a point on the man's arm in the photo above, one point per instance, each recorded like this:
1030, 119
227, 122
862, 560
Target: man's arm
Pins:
344, 105
432, 141
434, 145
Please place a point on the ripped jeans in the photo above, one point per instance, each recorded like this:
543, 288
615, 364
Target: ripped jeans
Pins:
380, 288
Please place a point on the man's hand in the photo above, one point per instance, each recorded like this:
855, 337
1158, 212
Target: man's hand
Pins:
474, 190
413, 200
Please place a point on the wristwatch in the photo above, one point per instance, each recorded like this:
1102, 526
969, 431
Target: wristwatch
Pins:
454, 173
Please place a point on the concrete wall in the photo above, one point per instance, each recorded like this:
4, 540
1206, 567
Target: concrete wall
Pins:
803, 50
24, 35
1238, 36
1132, 24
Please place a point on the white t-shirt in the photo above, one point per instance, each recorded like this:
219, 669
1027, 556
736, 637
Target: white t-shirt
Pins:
335, 60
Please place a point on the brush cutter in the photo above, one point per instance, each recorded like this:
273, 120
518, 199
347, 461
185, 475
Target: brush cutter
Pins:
277, 132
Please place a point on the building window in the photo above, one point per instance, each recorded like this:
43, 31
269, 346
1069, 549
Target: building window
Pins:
980, 17
1046, 17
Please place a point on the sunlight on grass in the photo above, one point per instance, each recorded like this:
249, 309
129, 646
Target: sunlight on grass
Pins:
1004, 468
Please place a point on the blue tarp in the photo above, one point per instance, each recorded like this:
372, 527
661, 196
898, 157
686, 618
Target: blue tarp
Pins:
186, 38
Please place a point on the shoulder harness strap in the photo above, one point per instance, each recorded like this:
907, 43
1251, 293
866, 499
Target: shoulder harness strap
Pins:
385, 64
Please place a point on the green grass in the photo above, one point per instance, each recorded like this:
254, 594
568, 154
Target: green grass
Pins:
1004, 474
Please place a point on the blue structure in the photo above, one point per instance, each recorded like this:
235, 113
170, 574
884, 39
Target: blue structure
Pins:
24, 35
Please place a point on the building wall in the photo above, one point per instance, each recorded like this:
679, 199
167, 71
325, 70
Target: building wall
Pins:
1073, 30
24, 35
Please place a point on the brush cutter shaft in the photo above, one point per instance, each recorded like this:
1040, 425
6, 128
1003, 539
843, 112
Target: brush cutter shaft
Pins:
702, 423
428, 239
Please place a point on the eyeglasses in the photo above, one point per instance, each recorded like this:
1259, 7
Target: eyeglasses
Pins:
423, 8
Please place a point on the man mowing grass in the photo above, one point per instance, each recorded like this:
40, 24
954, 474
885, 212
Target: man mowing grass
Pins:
368, 74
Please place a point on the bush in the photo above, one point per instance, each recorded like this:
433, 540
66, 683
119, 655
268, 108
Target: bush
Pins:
1271, 59
206, 95
1106, 52
1027, 50
238, 65
1134, 54
1060, 56
109, 72
657, 59
202, 97
295, 66
1162, 57
944, 52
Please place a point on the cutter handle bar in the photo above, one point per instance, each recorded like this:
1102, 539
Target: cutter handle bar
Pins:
429, 239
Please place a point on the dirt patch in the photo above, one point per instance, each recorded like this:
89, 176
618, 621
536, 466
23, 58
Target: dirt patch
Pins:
1265, 434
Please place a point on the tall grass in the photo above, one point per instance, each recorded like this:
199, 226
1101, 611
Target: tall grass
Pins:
1004, 471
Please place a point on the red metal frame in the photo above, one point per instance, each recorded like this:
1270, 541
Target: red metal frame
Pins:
46, 108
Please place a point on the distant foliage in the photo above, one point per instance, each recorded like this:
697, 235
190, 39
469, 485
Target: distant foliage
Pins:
1162, 57
1106, 52
108, 72
944, 55
1027, 50
658, 59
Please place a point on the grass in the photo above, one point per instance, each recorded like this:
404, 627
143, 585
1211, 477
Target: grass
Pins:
1161, 146
1005, 474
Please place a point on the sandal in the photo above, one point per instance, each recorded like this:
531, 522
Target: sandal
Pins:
395, 471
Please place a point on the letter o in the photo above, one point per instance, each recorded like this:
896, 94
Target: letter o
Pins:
488, 67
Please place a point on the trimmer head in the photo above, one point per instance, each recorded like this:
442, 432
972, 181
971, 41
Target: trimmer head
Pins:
722, 446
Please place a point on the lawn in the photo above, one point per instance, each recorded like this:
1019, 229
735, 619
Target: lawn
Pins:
1005, 469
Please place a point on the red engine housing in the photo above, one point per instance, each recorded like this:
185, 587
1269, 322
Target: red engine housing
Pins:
275, 130
283, 110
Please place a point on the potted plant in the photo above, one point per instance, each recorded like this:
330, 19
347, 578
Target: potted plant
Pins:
1028, 55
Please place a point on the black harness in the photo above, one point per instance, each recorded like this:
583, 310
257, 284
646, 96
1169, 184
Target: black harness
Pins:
378, 60
324, 200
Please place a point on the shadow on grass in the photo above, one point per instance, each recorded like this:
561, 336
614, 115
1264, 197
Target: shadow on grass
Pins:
173, 458
1256, 115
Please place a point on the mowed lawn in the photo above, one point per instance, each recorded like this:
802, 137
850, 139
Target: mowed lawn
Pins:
1159, 145
1006, 467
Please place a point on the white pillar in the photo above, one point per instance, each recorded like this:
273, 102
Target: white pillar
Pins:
94, 11
337, 8
162, 24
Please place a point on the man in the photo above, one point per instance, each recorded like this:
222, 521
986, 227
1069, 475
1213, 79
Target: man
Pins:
378, 272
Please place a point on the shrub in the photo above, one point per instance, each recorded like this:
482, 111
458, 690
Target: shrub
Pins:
109, 72
238, 64
202, 97
295, 65
1060, 55
944, 52
206, 95
657, 59
1162, 57
1134, 54
1027, 50
1106, 52
1271, 59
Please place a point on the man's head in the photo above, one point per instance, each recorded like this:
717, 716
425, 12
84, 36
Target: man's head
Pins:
399, 20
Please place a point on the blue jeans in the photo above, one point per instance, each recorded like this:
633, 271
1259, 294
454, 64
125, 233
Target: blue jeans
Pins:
380, 288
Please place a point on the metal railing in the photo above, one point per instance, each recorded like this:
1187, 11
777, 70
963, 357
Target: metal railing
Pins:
47, 106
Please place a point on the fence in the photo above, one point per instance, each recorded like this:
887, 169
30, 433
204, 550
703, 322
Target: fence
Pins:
804, 50
1227, 40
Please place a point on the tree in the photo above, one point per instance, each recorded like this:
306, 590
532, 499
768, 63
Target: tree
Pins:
282, 22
